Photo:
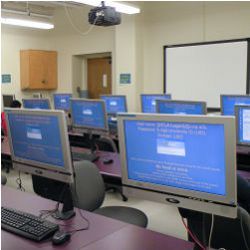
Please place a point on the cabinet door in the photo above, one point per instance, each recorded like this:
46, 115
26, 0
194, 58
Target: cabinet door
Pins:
37, 65
50, 69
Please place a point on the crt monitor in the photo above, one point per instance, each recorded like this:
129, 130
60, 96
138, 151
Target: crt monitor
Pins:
181, 107
89, 115
62, 101
229, 101
115, 103
39, 143
188, 161
243, 124
36, 103
7, 100
148, 101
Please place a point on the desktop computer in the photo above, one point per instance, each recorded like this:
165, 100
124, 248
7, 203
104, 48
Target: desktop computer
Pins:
228, 103
39, 145
148, 101
181, 107
242, 114
36, 103
7, 100
114, 104
185, 161
90, 118
62, 101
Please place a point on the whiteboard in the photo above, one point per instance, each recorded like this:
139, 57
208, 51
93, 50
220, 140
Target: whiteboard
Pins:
203, 72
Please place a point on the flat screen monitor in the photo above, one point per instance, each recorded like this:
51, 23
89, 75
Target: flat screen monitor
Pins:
62, 101
181, 107
36, 103
7, 100
39, 143
89, 115
229, 101
148, 101
243, 124
115, 103
187, 161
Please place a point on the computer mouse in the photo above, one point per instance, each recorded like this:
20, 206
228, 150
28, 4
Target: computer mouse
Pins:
107, 161
60, 237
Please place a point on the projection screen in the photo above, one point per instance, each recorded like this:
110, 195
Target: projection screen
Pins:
201, 72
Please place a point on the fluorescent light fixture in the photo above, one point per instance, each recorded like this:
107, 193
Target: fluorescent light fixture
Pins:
27, 23
120, 7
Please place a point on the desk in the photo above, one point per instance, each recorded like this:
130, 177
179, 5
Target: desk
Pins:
103, 233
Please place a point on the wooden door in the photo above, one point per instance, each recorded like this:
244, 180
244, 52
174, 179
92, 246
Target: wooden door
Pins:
99, 77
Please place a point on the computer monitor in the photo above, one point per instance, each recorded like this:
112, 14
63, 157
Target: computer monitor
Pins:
242, 114
39, 145
89, 116
115, 103
148, 101
181, 107
187, 161
7, 100
228, 102
36, 103
62, 101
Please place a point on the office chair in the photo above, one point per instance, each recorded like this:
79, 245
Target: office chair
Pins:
111, 183
233, 234
3, 179
89, 193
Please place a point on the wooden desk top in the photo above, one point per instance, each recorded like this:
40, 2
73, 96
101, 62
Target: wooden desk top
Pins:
103, 233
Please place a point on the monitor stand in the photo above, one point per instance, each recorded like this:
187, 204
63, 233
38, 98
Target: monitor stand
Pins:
67, 211
87, 156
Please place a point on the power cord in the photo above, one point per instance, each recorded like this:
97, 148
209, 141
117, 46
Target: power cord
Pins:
19, 182
192, 235
211, 232
243, 232
75, 27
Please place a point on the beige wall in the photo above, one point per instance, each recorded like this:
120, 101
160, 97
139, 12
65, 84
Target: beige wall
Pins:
12, 41
136, 45
186, 22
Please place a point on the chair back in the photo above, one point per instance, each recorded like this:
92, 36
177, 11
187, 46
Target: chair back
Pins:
88, 189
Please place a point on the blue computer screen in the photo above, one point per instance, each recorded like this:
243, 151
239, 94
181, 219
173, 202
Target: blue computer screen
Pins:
228, 103
36, 104
37, 138
180, 108
115, 104
149, 102
62, 101
184, 155
244, 124
88, 114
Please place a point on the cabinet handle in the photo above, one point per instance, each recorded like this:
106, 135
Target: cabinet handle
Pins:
44, 81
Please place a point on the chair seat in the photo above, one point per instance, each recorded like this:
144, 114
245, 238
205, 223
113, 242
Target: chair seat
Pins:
126, 214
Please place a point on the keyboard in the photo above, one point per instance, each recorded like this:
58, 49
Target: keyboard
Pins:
26, 225
84, 156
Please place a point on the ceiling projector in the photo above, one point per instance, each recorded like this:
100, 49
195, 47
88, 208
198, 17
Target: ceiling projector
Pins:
104, 16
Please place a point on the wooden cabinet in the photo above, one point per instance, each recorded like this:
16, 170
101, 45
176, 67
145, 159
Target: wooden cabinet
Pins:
38, 69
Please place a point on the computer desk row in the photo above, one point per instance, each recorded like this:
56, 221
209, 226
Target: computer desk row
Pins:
103, 232
112, 170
